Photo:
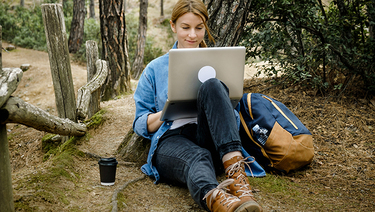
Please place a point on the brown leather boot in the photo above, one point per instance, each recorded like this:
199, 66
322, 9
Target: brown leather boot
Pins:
235, 169
218, 200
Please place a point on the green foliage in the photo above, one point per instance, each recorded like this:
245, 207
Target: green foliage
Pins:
321, 47
23, 27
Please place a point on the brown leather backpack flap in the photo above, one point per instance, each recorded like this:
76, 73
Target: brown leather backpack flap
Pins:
289, 152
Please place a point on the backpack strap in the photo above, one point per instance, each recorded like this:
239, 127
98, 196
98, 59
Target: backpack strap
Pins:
248, 131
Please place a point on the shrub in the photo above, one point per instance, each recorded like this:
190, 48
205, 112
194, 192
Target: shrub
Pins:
321, 47
23, 27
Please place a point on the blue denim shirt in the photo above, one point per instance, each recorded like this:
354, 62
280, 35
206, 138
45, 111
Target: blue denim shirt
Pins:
150, 97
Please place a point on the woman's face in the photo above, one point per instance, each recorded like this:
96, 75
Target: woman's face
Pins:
189, 29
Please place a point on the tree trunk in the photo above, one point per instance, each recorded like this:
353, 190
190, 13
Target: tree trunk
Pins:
77, 26
141, 41
134, 148
92, 55
161, 8
1, 50
371, 17
227, 20
15, 110
6, 189
115, 48
22, 3
92, 8
59, 58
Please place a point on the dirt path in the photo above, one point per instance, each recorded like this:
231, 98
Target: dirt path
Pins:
341, 177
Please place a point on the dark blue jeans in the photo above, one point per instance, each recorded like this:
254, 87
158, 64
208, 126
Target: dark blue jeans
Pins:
191, 155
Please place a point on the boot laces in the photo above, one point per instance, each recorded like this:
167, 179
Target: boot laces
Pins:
221, 190
232, 169
237, 167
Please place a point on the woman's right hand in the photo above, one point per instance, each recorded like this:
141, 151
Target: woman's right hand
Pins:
153, 122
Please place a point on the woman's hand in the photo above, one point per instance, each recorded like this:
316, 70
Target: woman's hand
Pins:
153, 122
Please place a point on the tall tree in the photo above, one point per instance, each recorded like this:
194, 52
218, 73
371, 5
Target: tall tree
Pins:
141, 41
77, 26
227, 20
161, 8
92, 8
114, 48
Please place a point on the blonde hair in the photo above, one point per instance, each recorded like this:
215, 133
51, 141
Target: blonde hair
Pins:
196, 7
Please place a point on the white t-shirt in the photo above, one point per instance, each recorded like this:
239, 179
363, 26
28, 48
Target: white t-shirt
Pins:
181, 122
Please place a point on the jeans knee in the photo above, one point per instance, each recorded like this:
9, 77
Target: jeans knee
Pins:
212, 87
211, 84
202, 154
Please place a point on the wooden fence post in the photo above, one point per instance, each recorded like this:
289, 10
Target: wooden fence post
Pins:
1, 50
57, 43
6, 189
92, 55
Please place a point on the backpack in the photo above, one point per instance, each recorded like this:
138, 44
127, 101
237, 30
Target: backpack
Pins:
273, 134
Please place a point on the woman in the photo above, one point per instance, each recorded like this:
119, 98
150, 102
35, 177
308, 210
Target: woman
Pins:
191, 151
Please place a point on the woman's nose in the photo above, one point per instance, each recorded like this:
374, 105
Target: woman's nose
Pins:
192, 34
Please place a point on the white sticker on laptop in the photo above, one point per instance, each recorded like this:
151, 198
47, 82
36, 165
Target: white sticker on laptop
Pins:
205, 73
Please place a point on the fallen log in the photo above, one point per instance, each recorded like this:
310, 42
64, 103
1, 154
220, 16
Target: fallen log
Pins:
9, 80
84, 93
15, 110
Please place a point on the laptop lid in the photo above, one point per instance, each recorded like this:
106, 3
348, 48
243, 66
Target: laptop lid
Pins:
190, 67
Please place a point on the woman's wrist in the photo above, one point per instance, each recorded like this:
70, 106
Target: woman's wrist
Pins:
154, 122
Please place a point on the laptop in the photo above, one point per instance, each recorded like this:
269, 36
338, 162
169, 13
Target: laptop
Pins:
190, 67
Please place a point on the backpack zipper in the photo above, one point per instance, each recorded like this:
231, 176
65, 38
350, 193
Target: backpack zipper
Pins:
282, 113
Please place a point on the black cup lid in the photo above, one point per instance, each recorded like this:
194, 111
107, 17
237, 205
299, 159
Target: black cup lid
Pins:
107, 161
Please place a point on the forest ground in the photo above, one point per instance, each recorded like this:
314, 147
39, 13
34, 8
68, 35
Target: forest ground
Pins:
340, 178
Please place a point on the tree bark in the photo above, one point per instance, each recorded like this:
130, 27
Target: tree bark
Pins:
115, 48
161, 8
9, 80
59, 58
1, 50
8, 83
15, 110
141, 41
92, 8
77, 26
371, 17
227, 19
84, 93
22, 3
92, 55
134, 148
6, 189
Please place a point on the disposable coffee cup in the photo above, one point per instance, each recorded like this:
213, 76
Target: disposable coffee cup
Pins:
107, 168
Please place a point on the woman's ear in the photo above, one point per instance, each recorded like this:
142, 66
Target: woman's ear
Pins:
173, 26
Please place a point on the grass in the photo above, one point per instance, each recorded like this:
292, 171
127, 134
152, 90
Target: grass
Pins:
60, 170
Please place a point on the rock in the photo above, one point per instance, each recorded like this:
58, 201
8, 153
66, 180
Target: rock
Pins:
25, 67
10, 47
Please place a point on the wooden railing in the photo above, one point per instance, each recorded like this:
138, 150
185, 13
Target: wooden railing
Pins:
15, 110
